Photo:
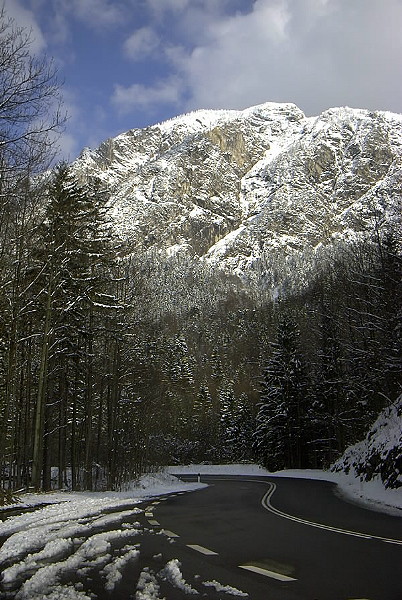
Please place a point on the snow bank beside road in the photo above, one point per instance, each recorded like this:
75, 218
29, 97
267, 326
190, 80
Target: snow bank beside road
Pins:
232, 469
349, 485
75, 534
379, 455
152, 484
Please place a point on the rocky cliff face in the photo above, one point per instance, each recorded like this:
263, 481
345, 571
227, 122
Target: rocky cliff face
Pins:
246, 190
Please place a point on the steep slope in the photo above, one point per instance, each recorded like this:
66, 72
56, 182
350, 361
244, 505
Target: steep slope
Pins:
379, 455
177, 185
249, 190
335, 180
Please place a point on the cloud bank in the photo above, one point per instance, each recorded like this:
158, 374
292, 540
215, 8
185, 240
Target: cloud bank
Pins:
316, 53
130, 63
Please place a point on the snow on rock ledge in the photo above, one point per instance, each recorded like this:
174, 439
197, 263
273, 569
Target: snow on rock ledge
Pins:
379, 455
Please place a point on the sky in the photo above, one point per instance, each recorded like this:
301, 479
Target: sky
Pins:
126, 64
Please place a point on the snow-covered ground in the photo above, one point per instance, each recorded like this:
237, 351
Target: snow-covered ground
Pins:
153, 484
79, 533
379, 455
51, 552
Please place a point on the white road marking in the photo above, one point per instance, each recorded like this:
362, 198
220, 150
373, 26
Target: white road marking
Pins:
156, 502
169, 533
149, 514
267, 573
266, 503
153, 522
268, 506
202, 549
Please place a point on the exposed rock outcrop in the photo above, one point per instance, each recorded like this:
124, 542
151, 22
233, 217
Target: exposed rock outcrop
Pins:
244, 190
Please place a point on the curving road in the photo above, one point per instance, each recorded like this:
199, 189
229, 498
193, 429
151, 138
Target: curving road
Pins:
279, 538
263, 538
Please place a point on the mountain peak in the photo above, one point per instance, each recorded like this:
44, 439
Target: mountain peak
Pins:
241, 189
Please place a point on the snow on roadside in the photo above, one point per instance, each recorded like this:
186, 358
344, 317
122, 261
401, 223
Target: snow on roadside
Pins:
147, 586
27, 534
53, 550
45, 545
379, 454
226, 589
370, 493
93, 552
67, 592
152, 484
173, 575
207, 469
113, 571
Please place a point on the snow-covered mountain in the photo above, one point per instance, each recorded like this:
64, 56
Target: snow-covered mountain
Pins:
248, 190
379, 455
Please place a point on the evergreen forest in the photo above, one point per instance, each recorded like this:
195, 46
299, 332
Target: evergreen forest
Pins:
114, 363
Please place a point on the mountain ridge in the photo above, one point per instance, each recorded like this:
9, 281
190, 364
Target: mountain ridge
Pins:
245, 190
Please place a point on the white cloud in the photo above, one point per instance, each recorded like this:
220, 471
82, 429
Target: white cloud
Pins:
82, 131
139, 96
159, 8
26, 19
141, 44
315, 53
236, 53
68, 147
98, 12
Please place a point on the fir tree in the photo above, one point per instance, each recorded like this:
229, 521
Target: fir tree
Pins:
74, 290
280, 435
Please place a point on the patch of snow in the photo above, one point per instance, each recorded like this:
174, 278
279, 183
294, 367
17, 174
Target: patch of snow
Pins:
379, 455
197, 211
227, 589
207, 469
147, 586
175, 249
64, 534
153, 484
173, 574
113, 570
52, 550
94, 552
30, 532
162, 482
221, 246
66, 592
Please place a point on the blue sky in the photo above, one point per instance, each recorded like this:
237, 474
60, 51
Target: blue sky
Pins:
131, 63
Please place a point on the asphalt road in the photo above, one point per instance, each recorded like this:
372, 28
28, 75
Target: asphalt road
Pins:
279, 538
263, 538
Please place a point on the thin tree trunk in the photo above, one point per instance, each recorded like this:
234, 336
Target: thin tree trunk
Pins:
37, 457
89, 404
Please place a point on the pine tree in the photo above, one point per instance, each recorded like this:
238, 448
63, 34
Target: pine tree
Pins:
280, 433
73, 292
331, 410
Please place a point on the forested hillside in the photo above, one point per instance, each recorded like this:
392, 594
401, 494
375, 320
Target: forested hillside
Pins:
184, 295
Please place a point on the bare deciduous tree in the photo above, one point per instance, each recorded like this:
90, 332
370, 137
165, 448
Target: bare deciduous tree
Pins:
30, 101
